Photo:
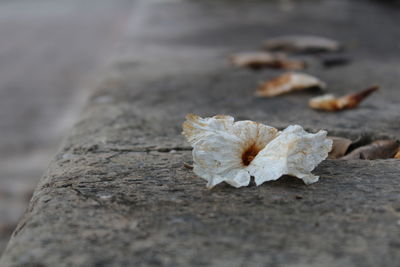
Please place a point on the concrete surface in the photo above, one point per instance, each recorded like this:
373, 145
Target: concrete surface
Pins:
117, 193
50, 52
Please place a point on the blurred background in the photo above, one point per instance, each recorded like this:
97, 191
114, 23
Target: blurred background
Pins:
50, 52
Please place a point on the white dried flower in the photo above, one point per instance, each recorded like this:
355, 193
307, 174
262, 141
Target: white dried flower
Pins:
232, 152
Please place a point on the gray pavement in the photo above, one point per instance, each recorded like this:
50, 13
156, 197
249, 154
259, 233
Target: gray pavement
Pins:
117, 194
50, 52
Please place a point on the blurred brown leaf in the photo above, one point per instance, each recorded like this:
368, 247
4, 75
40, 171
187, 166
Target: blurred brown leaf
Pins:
397, 156
330, 103
381, 149
287, 83
258, 60
298, 43
339, 147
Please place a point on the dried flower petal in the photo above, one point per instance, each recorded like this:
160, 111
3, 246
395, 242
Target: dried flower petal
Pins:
232, 152
257, 60
288, 82
331, 103
381, 149
339, 147
302, 44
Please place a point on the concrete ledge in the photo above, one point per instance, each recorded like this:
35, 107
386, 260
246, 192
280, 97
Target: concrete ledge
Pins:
117, 193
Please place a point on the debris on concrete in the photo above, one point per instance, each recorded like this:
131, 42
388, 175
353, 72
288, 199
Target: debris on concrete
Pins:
301, 43
329, 102
259, 60
288, 82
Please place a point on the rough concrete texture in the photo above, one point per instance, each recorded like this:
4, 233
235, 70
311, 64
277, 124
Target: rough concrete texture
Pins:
50, 52
117, 193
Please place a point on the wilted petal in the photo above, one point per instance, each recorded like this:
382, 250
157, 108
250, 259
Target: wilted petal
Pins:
216, 156
294, 152
196, 127
238, 177
253, 133
222, 150
227, 151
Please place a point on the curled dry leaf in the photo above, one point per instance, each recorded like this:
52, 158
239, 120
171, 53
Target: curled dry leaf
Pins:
310, 44
330, 103
339, 147
288, 82
232, 152
381, 149
258, 60
397, 156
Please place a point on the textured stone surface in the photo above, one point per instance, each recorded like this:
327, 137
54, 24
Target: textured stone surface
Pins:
49, 53
117, 193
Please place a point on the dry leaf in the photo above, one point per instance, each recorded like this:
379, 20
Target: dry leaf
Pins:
331, 103
258, 60
287, 83
302, 44
339, 147
381, 149
397, 156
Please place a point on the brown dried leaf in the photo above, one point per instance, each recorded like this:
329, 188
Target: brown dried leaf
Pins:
339, 147
258, 60
397, 156
381, 149
310, 44
331, 103
290, 65
288, 82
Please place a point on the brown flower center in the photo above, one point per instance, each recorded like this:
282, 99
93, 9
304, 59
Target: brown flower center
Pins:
249, 154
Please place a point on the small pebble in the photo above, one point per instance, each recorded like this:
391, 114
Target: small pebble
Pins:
187, 165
